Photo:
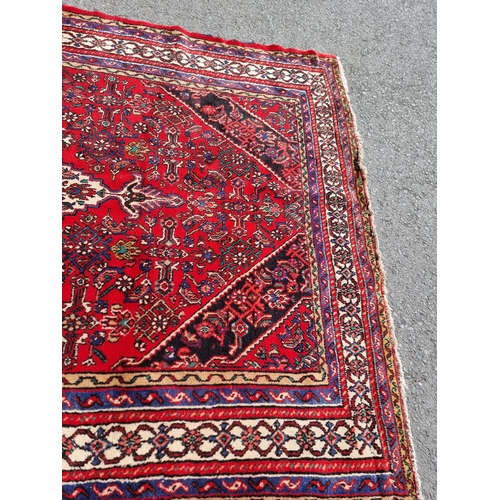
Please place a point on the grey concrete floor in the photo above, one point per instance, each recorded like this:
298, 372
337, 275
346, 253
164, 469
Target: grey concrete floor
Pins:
388, 51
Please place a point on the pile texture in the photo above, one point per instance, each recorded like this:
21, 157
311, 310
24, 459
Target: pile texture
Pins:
225, 331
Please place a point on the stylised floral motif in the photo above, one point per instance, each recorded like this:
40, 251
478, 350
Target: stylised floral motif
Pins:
80, 191
206, 330
276, 298
129, 442
125, 250
137, 149
140, 104
124, 283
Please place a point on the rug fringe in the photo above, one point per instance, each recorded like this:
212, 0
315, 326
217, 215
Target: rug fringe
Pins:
403, 388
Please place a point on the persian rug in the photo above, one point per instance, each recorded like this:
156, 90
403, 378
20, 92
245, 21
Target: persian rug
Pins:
225, 327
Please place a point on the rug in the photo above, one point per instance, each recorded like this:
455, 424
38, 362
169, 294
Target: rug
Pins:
225, 327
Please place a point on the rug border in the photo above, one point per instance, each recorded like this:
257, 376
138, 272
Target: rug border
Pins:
360, 172
194, 34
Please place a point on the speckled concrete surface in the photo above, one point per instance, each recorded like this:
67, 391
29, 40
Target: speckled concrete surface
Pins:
388, 51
